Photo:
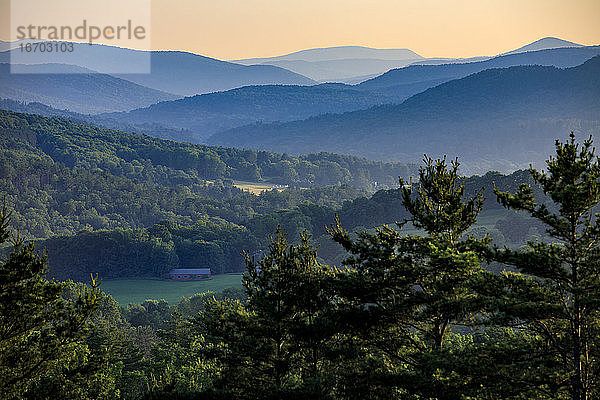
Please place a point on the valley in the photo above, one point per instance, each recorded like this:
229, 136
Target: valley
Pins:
333, 221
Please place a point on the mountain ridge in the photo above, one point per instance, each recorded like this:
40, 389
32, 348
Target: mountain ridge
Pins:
207, 114
76, 89
545, 43
534, 100
560, 57
177, 72
343, 64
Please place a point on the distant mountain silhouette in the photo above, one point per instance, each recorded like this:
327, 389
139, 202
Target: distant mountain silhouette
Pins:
498, 118
209, 113
175, 72
440, 61
544, 44
413, 79
336, 64
354, 64
541, 44
76, 89
341, 53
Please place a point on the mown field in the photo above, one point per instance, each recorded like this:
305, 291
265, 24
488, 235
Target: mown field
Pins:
257, 187
135, 291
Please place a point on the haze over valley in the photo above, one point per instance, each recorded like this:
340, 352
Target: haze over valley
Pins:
150, 104
299, 200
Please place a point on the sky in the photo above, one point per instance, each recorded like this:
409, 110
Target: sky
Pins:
236, 29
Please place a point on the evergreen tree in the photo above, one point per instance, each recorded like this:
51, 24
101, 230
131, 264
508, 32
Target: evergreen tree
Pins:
274, 346
558, 293
404, 293
39, 329
288, 294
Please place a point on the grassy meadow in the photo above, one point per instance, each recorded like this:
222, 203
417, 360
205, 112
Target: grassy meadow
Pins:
257, 187
126, 291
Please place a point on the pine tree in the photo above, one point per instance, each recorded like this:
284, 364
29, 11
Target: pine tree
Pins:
558, 293
38, 328
288, 295
406, 292
273, 346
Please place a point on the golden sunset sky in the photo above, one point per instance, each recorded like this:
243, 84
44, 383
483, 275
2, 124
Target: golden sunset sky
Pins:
234, 29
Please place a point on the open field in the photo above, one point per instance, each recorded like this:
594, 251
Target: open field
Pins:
257, 187
135, 291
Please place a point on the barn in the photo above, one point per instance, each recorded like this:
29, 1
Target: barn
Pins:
190, 274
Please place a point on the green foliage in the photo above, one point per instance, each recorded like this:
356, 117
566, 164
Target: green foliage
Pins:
274, 346
402, 294
151, 252
559, 300
119, 153
412, 314
439, 208
39, 329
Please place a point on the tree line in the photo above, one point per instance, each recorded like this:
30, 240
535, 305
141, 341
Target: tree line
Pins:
216, 243
77, 186
128, 154
406, 316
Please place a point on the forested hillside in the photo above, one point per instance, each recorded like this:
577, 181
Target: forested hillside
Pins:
82, 91
61, 177
95, 178
438, 313
151, 129
78, 145
209, 113
499, 119
155, 204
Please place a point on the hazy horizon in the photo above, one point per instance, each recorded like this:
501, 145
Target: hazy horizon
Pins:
231, 30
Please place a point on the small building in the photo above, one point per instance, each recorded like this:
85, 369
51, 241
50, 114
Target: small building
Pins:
190, 274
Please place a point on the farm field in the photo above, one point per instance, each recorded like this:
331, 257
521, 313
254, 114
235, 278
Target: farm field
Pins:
257, 187
126, 291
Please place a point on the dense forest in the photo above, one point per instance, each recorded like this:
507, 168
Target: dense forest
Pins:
155, 205
412, 312
124, 154
103, 176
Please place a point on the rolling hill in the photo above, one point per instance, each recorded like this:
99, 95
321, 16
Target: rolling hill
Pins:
339, 64
150, 129
175, 72
209, 113
496, 119
413, 79
355, 64
544, 44
76, 89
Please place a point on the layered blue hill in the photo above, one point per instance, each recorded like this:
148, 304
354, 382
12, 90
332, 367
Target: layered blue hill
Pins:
76, 89
498, 118
413, 79
174, 72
